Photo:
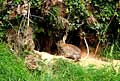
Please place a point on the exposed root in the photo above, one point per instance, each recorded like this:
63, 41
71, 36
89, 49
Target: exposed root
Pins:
97, 48
87, 49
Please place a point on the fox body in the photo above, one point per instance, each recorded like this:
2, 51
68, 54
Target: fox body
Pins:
69, 50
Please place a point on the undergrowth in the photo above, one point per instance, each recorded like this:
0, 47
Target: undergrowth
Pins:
112, 51
13, 69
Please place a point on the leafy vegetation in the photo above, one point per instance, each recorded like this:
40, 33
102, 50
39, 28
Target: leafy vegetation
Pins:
112, 51
99, 20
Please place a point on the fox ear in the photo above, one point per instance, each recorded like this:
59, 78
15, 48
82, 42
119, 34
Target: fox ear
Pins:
64, 38
58, 43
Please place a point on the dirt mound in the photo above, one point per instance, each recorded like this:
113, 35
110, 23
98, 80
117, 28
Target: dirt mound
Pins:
91, 60
96, 60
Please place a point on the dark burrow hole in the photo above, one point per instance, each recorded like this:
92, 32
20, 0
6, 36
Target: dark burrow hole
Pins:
47, 43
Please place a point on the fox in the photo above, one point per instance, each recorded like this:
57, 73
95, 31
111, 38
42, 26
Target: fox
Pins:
69, 50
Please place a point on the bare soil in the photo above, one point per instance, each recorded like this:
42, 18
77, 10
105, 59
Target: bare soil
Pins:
96, 59
90, 60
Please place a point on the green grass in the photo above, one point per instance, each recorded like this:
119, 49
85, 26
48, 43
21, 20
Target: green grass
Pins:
13, 69
67, 71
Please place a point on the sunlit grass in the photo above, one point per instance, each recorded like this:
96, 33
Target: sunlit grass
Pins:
67, 71
13, 69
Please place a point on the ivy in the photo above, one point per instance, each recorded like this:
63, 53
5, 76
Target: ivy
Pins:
77, 12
